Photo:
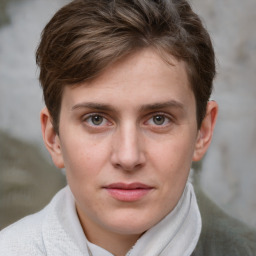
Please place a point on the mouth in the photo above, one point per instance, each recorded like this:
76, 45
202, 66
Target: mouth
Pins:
128, 192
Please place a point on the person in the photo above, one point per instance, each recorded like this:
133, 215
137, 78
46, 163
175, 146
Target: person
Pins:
127, 88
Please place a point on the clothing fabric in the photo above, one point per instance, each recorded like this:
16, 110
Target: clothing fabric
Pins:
177, 234
56, 230
221, 234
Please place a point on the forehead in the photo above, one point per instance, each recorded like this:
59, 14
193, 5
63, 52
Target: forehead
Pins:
140, 78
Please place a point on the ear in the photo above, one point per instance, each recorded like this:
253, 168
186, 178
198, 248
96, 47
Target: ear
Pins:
51, 138
206, 131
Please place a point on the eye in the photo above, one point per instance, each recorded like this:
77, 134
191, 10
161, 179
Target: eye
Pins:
96, 120
159, 120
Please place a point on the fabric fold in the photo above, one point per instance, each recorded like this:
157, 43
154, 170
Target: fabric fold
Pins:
177, 234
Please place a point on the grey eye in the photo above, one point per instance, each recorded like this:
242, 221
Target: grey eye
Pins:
96, 119
159, 119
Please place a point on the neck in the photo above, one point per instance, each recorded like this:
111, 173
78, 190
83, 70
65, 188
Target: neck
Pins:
115, 243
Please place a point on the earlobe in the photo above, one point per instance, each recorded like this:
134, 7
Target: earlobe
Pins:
51, 138
206, 131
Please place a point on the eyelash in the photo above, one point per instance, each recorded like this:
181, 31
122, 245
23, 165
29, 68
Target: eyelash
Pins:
88, 119
167, 119
90, 116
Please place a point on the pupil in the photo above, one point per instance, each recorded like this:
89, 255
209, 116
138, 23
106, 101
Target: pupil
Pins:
97, 120
158, 120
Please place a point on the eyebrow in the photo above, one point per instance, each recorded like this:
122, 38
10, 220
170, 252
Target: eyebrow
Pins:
146, 107
162, 105
93, 105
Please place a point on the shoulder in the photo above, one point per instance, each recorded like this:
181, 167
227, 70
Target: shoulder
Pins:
221, 234
25, 237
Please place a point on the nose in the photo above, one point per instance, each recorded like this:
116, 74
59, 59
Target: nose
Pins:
127, 149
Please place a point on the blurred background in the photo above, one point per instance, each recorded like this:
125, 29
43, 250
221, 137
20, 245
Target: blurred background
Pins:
227, 175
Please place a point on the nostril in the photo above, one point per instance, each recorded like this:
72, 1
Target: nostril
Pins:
128, 162
128, 168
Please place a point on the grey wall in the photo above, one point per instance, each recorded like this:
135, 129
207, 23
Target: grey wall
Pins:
228, 175
229, 169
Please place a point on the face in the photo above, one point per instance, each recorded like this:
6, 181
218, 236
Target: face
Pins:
127, 140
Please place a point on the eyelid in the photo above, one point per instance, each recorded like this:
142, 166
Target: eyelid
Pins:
91, 114
166, 115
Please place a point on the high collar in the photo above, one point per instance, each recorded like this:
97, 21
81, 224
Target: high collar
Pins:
177, 234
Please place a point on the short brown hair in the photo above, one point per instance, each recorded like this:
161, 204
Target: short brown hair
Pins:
86, 36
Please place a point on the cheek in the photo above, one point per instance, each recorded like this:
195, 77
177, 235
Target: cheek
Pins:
173, 152
173, 159
83, 158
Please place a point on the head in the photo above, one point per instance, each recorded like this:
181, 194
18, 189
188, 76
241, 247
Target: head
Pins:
86, 36
126, 86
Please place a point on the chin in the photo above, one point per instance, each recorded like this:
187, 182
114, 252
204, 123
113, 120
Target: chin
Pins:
128, 225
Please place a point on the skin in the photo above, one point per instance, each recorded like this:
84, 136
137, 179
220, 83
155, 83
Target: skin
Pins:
136, 122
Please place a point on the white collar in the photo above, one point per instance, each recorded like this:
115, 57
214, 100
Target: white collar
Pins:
177, 234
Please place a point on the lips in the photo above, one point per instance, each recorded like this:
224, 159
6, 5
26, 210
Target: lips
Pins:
128, 192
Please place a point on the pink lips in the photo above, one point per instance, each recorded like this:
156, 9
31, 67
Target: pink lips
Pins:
128, 192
